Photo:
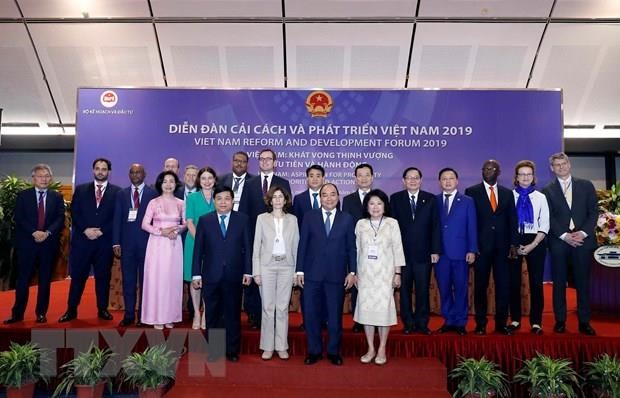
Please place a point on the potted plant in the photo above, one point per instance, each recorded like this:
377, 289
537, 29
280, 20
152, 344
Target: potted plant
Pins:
603, 375
85, 372
479, 378
20, 369
548, 377
150, 371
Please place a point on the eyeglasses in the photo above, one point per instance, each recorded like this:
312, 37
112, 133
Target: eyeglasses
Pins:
525, 174
489, 168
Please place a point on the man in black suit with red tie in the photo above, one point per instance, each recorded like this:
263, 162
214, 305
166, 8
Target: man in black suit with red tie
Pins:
497, 242
573, 212
39, 220
352, 204
420, 230
92, 211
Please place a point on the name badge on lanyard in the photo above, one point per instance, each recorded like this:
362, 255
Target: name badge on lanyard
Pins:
373, 252
133, 215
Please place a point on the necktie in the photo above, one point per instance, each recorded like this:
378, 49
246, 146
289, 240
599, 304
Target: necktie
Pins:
41, 212
493, 199
223, 225
236, 185
265, 186
328, 223
413, 205
568, 194
446, 204
136, 199
315, 201
99, 194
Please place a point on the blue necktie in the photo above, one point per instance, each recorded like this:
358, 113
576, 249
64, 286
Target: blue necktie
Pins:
328, 224
315, 201
413, 205
446, 204
237, 183
223, 225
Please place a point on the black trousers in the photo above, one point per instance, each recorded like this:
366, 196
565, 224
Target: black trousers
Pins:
535, 268
99, 256
416, 275
580, 259
43, 254
497, 260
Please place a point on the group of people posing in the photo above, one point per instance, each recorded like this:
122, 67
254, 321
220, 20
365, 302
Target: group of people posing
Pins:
242, 237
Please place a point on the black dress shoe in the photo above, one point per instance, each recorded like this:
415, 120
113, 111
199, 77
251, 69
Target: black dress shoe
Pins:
357, 327
445, 329
68, 316
125, 322
503, 330
311, 359
139, 324
41, 319
13, 319
232, 357
335, 359
513, 328
424, 330
560, 327
585, 328
460, 330
105, 315
480, 330
537, 330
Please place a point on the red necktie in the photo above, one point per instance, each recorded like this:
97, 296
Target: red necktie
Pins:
136, 199
493, 200
41, 212
99, 194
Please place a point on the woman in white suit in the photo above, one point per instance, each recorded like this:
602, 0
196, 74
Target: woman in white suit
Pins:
273, 267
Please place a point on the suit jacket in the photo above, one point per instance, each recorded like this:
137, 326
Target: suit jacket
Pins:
327, 259
264, 237
495, 229
27, 216
584, 211
128, 234
244, 204
219, 258
86, 214
351, 204
421, 236
301, 205
458, 229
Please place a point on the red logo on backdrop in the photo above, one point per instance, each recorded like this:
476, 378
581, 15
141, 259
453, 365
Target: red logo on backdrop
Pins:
108, 98
319, 103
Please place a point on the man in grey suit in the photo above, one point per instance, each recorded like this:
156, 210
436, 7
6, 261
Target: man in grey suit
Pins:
573, 212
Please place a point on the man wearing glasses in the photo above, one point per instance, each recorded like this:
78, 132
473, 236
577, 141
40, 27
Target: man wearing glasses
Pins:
257, 188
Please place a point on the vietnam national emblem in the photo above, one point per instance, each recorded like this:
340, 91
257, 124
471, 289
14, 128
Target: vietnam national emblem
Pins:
319, 103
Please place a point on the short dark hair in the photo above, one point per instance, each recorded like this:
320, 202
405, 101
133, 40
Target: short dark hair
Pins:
267, 150
315, 167
376, 193
447, 169
160, 180
242, 153
103, 160
205, 169
408, 169
269, 197
326, 184
363, 166
222, 188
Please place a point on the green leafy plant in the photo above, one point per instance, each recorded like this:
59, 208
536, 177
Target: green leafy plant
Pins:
85, 369
479, 378
21, 364
549, 377
154, 367
603, 374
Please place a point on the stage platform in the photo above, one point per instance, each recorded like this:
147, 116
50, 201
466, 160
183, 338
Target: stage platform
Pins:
405, 352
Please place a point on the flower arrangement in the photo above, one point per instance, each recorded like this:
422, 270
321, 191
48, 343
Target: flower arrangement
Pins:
608, 224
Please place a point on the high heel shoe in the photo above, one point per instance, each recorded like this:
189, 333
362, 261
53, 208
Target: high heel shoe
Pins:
367, 358
159, 327
196, 322
203, 321
380, 360
169, 325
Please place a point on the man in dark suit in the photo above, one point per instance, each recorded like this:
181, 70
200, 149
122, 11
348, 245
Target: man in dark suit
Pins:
573, 212
309, 199
256, 190
129, 239
497, 242
237, 180
418, 218
457, 214
92, 211
326, 258
221, 264
39, 220
352, 204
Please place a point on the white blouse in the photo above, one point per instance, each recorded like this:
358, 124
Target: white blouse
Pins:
541, 213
